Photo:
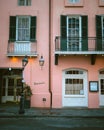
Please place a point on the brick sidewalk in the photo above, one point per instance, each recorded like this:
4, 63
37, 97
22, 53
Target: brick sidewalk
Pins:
13, 111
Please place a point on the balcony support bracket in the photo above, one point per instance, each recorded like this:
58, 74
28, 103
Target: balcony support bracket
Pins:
56, 59
93, 59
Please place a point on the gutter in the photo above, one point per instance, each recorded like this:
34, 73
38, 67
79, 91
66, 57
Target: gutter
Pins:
50, 54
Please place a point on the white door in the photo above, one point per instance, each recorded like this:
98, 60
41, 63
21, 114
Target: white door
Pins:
101, 92
75, 88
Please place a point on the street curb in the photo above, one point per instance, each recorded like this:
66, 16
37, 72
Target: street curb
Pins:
46, 116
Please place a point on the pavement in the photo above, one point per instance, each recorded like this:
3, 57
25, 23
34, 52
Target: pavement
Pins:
8, 110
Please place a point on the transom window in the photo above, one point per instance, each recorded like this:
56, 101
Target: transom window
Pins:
23, 28
24, 2
74, 1
74, 72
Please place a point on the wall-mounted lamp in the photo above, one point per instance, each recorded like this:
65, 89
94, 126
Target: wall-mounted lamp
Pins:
24, 61
41, 61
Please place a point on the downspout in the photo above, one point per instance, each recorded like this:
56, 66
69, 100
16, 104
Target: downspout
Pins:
50, 53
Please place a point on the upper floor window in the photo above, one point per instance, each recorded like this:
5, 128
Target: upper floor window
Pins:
24, 2
74, 1
22, 28
73, 28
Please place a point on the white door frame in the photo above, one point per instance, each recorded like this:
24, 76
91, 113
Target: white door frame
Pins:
101, 97
75, 100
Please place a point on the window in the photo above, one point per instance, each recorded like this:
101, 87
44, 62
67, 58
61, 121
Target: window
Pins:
74, 33
74, 1
22, 28
24, 2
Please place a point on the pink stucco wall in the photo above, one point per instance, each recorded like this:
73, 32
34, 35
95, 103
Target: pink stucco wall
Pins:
77, 61
36, 77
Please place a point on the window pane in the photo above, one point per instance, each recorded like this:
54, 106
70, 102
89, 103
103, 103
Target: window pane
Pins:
74, 1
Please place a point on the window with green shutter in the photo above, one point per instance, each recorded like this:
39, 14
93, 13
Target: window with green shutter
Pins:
63, 33
74, 33
22, 28
12, 29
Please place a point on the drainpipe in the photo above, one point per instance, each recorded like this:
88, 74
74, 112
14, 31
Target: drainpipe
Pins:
50, 53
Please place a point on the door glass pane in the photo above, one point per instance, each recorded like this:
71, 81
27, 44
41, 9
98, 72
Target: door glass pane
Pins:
74, 87
102, 86
3, 87
11, 87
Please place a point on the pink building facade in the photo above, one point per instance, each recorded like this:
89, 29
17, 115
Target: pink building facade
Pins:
69, 34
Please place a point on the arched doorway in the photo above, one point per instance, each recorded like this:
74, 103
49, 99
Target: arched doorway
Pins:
75, 88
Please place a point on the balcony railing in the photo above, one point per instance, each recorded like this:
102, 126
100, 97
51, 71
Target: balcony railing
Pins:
79, 45
21, 49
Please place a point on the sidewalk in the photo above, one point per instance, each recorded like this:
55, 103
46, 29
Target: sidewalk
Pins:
13, 111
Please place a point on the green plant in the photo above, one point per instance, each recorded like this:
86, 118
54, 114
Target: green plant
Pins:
27, 91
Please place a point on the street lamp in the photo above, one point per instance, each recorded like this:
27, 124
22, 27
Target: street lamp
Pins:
24, 63
41, 61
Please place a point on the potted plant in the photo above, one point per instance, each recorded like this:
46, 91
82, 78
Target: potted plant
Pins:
27, 95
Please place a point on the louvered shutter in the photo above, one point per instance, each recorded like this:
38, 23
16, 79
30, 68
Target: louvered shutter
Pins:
63, 33
84, 33
33, 29
99, 32
12, 29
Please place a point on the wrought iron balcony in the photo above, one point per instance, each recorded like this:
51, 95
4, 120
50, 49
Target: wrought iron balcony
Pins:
79, 45
22, 49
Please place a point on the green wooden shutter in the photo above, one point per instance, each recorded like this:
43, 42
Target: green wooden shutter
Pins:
84, 33
99, 32
63, 33
12, 29
33, 29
